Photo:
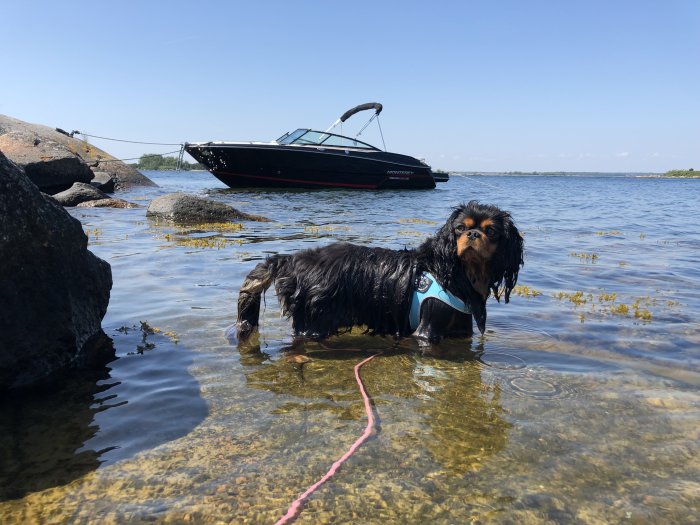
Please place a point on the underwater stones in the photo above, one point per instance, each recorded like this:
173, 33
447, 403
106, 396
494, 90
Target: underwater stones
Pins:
53, 291
54, 160
183, 208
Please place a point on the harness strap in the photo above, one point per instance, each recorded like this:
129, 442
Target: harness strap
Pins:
429, 288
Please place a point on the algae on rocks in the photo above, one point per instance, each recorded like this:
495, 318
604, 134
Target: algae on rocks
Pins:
183, 208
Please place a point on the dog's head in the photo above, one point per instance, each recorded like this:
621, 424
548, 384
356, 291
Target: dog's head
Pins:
484, 239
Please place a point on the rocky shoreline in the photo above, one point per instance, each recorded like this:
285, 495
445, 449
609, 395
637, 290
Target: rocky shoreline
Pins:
53, 160
54, 292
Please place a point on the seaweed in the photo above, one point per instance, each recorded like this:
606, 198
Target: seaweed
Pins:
526, 291
592, 257
606, 303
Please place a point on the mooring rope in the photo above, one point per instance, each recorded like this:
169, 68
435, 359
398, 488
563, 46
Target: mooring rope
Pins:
180, 151
295, 507
76, 132
100, 161
481, 182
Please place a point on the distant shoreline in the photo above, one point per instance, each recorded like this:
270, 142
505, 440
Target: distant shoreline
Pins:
650, 175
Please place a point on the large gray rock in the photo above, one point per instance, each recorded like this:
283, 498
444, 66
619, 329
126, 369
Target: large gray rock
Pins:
79, 192
54, 160
53, 291
183, 208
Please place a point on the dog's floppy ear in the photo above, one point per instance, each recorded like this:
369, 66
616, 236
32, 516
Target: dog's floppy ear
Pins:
478, 307
508, 259
445, 248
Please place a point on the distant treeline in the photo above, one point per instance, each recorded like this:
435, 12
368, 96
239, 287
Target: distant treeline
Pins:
682, 173
154, 161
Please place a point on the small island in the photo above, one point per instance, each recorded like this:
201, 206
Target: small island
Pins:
155, 161
691, 173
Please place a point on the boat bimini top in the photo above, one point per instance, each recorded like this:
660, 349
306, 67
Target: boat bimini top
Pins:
304, 137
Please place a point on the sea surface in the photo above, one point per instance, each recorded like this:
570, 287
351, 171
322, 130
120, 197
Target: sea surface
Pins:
580, 404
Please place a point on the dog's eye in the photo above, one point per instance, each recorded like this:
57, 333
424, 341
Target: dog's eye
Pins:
460, 228
490, 231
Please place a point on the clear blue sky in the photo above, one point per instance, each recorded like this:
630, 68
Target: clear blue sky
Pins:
580, 85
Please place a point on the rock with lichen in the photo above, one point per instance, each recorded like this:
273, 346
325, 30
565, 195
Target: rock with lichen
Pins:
54, 160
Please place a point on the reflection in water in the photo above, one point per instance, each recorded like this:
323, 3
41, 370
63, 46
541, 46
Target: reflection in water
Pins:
458, 417
465, 415
143, 399
39, 436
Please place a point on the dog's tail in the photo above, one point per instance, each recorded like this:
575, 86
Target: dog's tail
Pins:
255, 284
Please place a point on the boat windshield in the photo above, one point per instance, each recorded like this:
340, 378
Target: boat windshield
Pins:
321, 138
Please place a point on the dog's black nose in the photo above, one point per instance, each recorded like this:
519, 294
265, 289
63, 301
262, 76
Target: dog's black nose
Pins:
473, 234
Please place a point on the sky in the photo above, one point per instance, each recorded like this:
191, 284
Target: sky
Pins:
522, 85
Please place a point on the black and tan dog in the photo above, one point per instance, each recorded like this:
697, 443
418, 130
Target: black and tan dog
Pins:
429, 292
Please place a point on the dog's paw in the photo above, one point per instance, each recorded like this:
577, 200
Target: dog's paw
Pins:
239, 332
231, 333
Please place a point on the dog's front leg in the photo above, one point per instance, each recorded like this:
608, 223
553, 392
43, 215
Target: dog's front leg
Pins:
438, 320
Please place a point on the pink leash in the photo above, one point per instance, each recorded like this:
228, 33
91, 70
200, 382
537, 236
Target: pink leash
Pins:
295, 507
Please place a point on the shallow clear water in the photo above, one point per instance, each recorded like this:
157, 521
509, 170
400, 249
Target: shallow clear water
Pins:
580, 403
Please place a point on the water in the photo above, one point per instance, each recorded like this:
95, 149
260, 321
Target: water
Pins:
580, 404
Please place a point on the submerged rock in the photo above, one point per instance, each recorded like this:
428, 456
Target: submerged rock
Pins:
183, 208
53, 291
54, 160
108, 203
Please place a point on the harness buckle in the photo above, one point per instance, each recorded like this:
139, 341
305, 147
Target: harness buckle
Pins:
424, 283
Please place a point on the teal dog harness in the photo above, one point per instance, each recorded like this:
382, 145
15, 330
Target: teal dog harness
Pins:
428, 288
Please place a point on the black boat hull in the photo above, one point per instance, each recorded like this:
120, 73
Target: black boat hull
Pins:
280, 166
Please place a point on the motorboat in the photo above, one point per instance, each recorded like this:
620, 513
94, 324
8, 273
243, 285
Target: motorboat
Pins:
306, 158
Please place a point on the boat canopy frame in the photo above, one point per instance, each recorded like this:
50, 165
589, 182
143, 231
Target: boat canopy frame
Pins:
312, 137
376, 106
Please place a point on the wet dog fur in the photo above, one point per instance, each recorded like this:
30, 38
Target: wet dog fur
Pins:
328, 290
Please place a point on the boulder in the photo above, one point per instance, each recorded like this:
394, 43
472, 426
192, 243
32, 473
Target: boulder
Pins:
79, 192
183, 208
54, 160
103, 181
53, 291
123, 175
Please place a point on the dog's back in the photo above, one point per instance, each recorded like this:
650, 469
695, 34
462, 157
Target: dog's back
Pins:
325, 290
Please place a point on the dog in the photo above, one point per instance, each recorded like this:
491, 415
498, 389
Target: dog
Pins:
429, 292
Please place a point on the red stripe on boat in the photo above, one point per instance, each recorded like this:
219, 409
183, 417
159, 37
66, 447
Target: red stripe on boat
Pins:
297, 181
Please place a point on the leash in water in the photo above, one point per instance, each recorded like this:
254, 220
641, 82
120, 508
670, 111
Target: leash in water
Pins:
295, 507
